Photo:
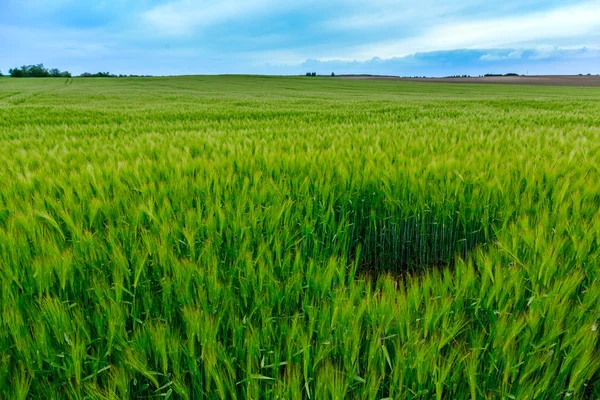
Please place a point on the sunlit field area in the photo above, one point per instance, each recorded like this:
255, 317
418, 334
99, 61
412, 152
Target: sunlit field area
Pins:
287, 238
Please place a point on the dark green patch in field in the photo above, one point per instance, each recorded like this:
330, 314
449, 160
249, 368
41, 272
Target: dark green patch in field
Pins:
397, 237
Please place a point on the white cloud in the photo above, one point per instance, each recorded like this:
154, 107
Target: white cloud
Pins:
64, 41
563, 23
513, 55
394, 14
275, 57
545, 52
183, 17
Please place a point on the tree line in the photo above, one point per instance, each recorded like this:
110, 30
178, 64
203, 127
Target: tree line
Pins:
39, 71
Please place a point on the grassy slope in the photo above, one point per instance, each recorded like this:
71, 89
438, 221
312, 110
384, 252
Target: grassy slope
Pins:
199, 236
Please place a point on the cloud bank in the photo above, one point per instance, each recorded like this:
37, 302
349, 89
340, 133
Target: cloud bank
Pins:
543, 60
400, 37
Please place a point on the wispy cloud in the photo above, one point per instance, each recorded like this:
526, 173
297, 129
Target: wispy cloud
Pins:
540, 60
276, 36
558, 24
184, 17
513, 55
399, 16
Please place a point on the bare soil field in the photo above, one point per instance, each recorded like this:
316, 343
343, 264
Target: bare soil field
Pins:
542, 80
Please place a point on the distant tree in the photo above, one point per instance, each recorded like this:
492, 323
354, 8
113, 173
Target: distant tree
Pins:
16, 73
332, 74
98, 75
314, 74
37, 71
1, 74
57, 73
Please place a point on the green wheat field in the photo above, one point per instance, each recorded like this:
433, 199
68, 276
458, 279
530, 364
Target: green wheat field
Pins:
298, 238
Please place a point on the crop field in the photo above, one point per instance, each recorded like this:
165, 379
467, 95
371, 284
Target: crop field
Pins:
286, 238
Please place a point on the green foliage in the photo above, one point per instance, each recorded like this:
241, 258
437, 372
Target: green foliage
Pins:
109, 75
97, 75
57, 73
37, 71
17, 72
254, 237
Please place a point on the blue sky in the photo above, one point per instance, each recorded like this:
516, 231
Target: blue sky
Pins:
397, 37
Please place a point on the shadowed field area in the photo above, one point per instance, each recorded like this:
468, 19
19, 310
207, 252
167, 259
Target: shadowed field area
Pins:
268, 237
